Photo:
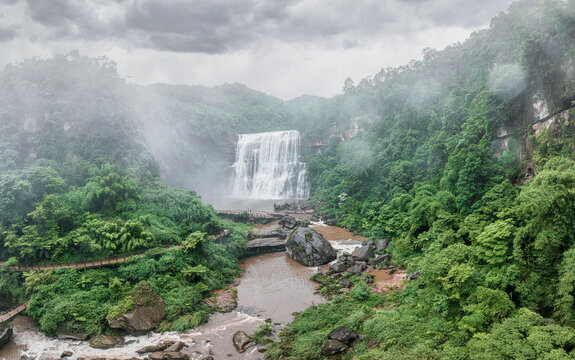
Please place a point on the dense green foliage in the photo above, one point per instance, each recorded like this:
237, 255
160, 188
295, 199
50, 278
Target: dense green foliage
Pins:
443, 170
448, 165
77, 183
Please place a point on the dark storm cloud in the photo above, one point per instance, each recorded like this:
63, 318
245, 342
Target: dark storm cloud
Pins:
73, 18
219, 26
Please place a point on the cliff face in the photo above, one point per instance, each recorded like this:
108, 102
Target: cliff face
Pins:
544, 111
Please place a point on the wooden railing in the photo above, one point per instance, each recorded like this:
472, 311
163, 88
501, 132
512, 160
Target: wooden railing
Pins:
13, 313
94, 263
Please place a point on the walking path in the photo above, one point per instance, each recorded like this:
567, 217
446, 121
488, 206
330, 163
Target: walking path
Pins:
91, 264
13, 313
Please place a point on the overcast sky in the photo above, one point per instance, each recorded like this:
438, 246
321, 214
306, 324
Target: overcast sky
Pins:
285, 48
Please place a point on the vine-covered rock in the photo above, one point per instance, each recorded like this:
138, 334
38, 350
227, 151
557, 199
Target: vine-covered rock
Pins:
139, 312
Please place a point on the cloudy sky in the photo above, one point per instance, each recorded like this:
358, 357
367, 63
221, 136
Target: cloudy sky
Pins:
283, 47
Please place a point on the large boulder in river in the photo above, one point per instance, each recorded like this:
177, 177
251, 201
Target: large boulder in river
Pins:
288, 222
242, 341
140, 312
309, 248
106, 341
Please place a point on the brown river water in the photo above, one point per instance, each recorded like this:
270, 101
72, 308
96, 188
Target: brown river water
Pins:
272, 286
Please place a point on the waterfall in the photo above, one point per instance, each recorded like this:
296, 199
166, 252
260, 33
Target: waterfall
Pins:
268, 166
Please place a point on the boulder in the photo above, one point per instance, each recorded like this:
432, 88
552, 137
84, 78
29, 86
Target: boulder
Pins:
337, 267
153, 348
175, 347
382, 244
242, 341
303, 222
71, 330
147, 312
273, 232
346, 259
363, 253
343, 334
175, 355
332, 346
5, 336
288, 222
357, 268
158, 355
309, 248
263, 348
106, 342
414, 275
66, 353
378, 259
345, 283
226, 301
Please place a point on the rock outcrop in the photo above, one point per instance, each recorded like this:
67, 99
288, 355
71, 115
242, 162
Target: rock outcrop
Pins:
106, 342
242, 341
309, 248
225, 301
5, 336
343, 334
364, 253
147, 311
332, 346
288, 222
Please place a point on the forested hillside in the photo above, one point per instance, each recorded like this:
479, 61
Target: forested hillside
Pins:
468, 166
464, 159
77, 182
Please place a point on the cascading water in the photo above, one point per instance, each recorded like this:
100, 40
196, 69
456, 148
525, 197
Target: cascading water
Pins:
268, 166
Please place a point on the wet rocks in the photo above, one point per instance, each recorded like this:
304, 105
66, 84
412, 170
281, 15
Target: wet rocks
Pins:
71, 330
379, 259
339, 339
382, 244
284, 205
364, 253
165, 350
338, 267
153, 348
242, 341
175, 347
168, 355
66, 353
332, 346
288, 222
303, 222
5, 336
106, 342
269, 232
225, 301
343, 334
309, 248
357, 268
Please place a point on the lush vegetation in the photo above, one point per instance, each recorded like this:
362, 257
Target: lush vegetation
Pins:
77, 183
444, 169
448, 165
